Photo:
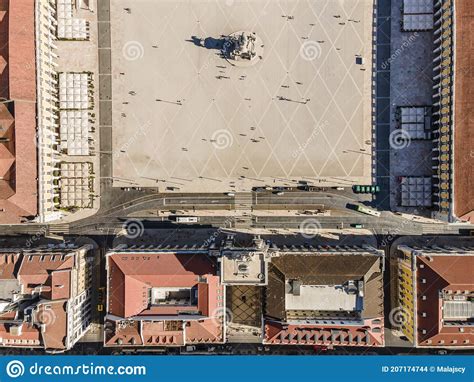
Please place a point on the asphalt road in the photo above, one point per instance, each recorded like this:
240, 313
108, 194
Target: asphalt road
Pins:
146, 207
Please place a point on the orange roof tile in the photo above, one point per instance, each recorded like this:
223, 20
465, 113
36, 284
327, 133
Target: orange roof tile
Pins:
22, 59
132, 275
6, 162
8, 263
25, 153
204, 331
130, 278
53, 318
442, 273
60, 284
368, 333
124, 335
28, 333
463, 112
18, 83
452, 269
34, 271
6, 119
3, 64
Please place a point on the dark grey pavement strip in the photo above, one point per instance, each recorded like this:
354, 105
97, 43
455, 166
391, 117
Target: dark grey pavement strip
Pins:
105, 63
411, 85
103, 10
105, 95
104, 34
383, 102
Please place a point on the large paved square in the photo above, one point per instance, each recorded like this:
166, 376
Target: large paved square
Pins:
185, 118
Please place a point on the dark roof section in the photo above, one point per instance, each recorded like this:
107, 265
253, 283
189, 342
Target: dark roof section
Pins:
325, 269
322, 269
275, 296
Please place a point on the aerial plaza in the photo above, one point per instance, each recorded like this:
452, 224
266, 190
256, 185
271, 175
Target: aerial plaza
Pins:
227, 98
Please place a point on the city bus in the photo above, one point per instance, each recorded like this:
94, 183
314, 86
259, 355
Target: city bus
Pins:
367, 211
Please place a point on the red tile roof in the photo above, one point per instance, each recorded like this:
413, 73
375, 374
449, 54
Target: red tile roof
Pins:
18, 192
52, 272
29, 333
25, 154
464, 111
364, 334
6, 121
8, 263
52, 317
6, 161
157, 333
60, 284
442, 273
42, 270
131, 276
204, 331
21, 59
126, 334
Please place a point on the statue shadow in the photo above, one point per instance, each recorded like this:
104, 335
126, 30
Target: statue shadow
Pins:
208, 42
